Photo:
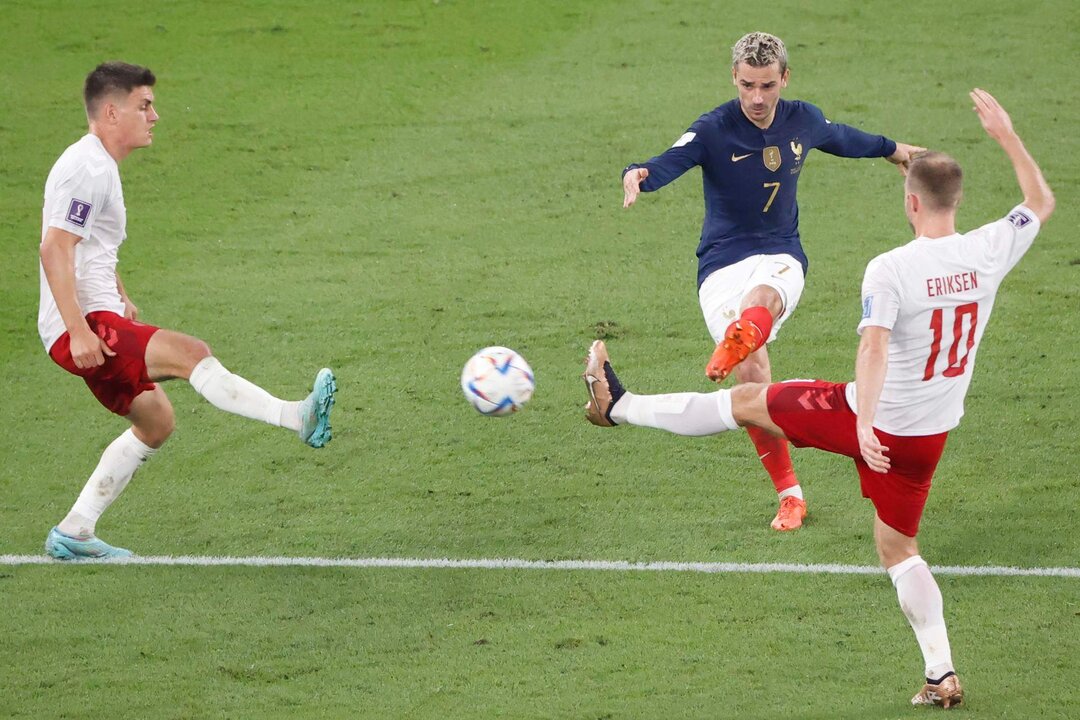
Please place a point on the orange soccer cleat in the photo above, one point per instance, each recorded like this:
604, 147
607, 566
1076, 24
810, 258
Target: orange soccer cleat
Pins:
790, 515
741, 339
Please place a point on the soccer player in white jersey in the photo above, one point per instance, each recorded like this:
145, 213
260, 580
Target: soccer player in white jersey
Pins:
925, 308
89, 325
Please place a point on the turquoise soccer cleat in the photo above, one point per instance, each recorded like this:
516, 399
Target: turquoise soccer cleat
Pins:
64, 547
315, 410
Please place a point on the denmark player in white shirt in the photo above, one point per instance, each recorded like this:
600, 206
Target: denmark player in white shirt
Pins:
89, 325
925, 308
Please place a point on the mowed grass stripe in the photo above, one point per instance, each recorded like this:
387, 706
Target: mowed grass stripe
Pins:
519, 564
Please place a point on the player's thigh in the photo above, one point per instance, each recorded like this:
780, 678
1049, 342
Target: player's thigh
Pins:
814, 413
724, 294
898, 498
151, 416
171, 354
750, 407
781, 275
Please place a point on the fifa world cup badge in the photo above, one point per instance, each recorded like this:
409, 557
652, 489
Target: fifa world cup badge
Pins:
771, 157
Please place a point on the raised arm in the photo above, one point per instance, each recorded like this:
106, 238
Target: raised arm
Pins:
871, 363
1037, 194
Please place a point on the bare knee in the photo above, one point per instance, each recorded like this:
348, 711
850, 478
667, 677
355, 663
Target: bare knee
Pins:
199, 350
748, 394
893, 547
152, 418
174, 355
764, 296
749, 404
189, 352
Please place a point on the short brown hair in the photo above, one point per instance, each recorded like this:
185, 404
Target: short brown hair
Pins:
112, 77
759, 49
937, 179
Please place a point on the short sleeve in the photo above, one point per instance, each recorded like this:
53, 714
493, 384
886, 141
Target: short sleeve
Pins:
880, 296
1011, 237
77, 200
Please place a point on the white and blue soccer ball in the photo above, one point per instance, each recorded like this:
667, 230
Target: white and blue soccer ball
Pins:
497, 381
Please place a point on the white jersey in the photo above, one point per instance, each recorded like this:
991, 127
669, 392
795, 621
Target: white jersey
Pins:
83, 196
936, 296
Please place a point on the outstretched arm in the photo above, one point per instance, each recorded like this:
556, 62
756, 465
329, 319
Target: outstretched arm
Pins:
1037, 194
871, 362
902, 157
687, 152
846, 141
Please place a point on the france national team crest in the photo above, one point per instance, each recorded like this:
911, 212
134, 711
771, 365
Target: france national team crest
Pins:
796, 150
78, 211
1019, 219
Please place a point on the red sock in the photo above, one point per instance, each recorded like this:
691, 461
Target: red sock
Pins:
761, 317
776, 458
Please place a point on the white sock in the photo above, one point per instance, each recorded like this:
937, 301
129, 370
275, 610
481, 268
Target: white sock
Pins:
234, 394
920, 599
118, 463
794, 490
691, 414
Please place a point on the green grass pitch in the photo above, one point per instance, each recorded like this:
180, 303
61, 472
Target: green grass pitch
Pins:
385, 187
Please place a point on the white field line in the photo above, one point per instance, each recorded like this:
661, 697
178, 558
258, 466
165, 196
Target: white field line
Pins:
516, 564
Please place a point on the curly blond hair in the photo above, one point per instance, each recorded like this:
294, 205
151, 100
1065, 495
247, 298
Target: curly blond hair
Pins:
759, 49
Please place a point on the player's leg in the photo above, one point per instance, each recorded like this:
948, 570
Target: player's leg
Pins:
774, 452
152, 421
122, 386
689, 414
170, 354
759, 308
775, 286
920, 600
766, 289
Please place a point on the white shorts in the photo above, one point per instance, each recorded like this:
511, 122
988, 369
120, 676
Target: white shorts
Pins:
722, 293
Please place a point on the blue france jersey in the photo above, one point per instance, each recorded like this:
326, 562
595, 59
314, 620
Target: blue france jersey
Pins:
750, 176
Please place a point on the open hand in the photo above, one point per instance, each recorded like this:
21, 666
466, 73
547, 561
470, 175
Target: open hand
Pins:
631, 183
993, 117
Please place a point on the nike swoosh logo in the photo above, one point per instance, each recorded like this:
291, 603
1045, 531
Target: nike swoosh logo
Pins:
737, 158
589, 381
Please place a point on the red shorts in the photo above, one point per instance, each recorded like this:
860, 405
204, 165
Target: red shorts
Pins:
816, 414
118, 381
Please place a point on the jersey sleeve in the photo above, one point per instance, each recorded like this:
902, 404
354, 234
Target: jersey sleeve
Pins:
880, 296
76, 201
846, 141
1011, 236
687, 152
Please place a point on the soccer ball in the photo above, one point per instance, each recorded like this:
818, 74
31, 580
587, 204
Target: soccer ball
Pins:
497, 381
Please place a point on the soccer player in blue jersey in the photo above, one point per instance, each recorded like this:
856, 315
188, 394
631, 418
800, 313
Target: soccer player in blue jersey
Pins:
751, 265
